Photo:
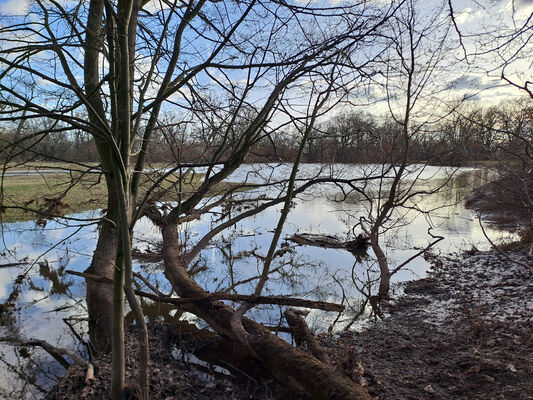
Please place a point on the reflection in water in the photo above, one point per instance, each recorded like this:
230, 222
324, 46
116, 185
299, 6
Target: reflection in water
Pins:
56, 277
38, 302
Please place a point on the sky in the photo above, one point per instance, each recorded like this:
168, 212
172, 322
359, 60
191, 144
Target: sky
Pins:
484, 71
15, 7
480, 80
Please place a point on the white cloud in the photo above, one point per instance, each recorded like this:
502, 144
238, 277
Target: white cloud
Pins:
517, 10
14, 7
464, 16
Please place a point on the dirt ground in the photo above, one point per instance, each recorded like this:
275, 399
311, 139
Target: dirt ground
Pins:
175, 374
465, 332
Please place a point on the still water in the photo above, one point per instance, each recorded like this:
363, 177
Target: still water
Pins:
40, 301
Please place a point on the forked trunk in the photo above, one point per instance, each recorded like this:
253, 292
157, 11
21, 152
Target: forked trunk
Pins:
291, 366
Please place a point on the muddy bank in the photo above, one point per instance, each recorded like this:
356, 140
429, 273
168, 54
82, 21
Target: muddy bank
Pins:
465, 332
505, 201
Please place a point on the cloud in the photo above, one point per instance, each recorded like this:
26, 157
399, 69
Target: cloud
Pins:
520, 9
471, 82
14, 7
463, 16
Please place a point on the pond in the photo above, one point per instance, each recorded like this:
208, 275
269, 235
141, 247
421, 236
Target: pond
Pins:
39, 300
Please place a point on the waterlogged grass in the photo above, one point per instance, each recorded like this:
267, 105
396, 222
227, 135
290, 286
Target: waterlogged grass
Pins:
29, 197
50, 194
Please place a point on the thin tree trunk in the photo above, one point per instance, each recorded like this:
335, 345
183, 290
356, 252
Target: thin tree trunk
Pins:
384, 279
117, 333
141, 328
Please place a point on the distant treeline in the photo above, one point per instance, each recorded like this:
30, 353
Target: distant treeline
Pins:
469, 134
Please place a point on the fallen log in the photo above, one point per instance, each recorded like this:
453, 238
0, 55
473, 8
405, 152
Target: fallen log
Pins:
291, 366
278, 300
357, 246
215, 350
302, 334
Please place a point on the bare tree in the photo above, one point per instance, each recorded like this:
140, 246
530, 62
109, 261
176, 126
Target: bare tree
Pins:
418, 42
504, 46
229, 67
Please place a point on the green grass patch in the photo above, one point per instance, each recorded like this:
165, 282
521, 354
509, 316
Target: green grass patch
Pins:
51, 194
30, 197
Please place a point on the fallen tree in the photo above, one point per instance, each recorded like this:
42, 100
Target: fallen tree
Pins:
290, 365
232, 69
358, 245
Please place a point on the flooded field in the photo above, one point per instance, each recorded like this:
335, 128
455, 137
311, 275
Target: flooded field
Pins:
40, 300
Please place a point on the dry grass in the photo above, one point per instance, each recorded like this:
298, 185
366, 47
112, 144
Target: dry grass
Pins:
50, 193
23, 197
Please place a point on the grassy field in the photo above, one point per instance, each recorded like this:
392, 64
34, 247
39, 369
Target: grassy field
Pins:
50, 193
65, 193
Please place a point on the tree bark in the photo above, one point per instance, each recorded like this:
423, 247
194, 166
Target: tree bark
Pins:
291, 366
100, 294
303, 335
384, 279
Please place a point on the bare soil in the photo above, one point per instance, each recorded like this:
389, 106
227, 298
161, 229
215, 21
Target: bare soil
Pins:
464, 332
175, 374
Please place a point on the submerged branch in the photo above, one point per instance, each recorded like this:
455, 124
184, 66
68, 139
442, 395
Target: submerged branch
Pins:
57, 352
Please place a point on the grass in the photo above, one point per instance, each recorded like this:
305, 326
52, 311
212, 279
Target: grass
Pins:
63, 193
50, 193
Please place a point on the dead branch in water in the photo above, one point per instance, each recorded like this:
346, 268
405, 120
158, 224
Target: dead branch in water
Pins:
357, 245
57, 352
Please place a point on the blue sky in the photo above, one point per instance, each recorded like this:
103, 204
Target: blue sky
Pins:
471, 15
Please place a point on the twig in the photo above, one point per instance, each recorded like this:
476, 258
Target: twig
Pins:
279, 300
56, 352
148, 284
8, 265
429, 246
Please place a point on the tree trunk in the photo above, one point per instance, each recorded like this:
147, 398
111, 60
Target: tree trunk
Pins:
291, 366
100, 294
384, 279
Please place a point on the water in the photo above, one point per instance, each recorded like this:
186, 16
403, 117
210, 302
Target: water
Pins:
46, 297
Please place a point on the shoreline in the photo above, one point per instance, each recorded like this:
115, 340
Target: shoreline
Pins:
464, 332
